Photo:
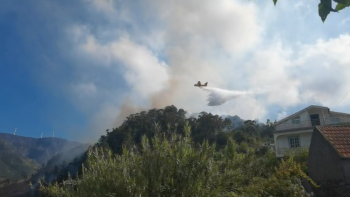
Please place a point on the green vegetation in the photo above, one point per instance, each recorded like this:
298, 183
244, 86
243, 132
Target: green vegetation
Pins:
163, 153
61, 164
21, 157
13, 165
325, 7
206, 126
37, 149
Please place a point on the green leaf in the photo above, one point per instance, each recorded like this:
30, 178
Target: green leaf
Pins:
340, 6
323, 11
274, 2
342, 1
327, 3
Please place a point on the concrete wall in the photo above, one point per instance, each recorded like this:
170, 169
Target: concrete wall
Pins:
323, 161
346, 169
322, 113
343, 118
281, 139
304, 117
304, 122
282, 142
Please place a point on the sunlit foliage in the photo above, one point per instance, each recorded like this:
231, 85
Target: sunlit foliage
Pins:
171, 165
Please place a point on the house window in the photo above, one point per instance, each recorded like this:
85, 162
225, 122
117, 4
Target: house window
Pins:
294, 142
335, 119
296, 120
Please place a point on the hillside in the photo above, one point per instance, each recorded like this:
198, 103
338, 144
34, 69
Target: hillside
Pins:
216, 130
163, 152
50, 171
20, 156
14, 166
38, 149
59, 163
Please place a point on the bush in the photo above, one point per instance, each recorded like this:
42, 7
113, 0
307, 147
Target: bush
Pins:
173, 166
300, 155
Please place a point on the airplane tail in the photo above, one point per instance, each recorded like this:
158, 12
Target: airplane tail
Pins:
206, 84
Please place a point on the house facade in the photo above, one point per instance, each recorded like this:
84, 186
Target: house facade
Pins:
295, 131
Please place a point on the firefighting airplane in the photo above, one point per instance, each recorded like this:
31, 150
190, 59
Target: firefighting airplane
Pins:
200, 85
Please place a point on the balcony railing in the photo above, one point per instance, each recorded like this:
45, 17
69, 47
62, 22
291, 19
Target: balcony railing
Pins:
310, 123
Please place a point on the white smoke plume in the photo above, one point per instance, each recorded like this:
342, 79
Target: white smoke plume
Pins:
219, 96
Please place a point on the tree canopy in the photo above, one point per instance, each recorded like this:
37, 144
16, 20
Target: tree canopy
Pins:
161, 152
175, 166
205, 126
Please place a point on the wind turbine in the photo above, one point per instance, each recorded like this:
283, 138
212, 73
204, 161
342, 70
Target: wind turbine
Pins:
15, 131
53, 133
41, 135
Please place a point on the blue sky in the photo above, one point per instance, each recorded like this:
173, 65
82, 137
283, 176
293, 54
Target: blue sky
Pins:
80, 67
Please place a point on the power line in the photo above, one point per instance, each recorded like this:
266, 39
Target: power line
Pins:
341, 100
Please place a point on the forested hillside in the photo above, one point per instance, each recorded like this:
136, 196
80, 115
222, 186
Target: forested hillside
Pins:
21, 157
38, 149
162, 153
206, 126
21, 172
14, 166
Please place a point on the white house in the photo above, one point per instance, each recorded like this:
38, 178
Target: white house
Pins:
296, 130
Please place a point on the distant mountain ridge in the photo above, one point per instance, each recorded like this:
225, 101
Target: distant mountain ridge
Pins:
21, 156
38, 149
14, 166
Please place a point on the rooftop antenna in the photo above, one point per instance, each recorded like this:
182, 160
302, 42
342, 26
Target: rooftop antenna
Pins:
41, 135
15, 131
53, 133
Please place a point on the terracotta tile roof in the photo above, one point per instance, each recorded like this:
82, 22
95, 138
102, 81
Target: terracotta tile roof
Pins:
339, 137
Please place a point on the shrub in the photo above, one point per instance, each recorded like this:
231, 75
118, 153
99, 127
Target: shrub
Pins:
300, 155
173, 166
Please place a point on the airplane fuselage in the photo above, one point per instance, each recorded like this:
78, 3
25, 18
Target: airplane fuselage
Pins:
200, 85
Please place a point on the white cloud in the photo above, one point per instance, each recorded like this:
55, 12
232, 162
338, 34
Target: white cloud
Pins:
143, 71
304, 8
344, 21
269, 69
204, 42
192, 35
325, 72
314, 73
222, 42
231, 25
281, 115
